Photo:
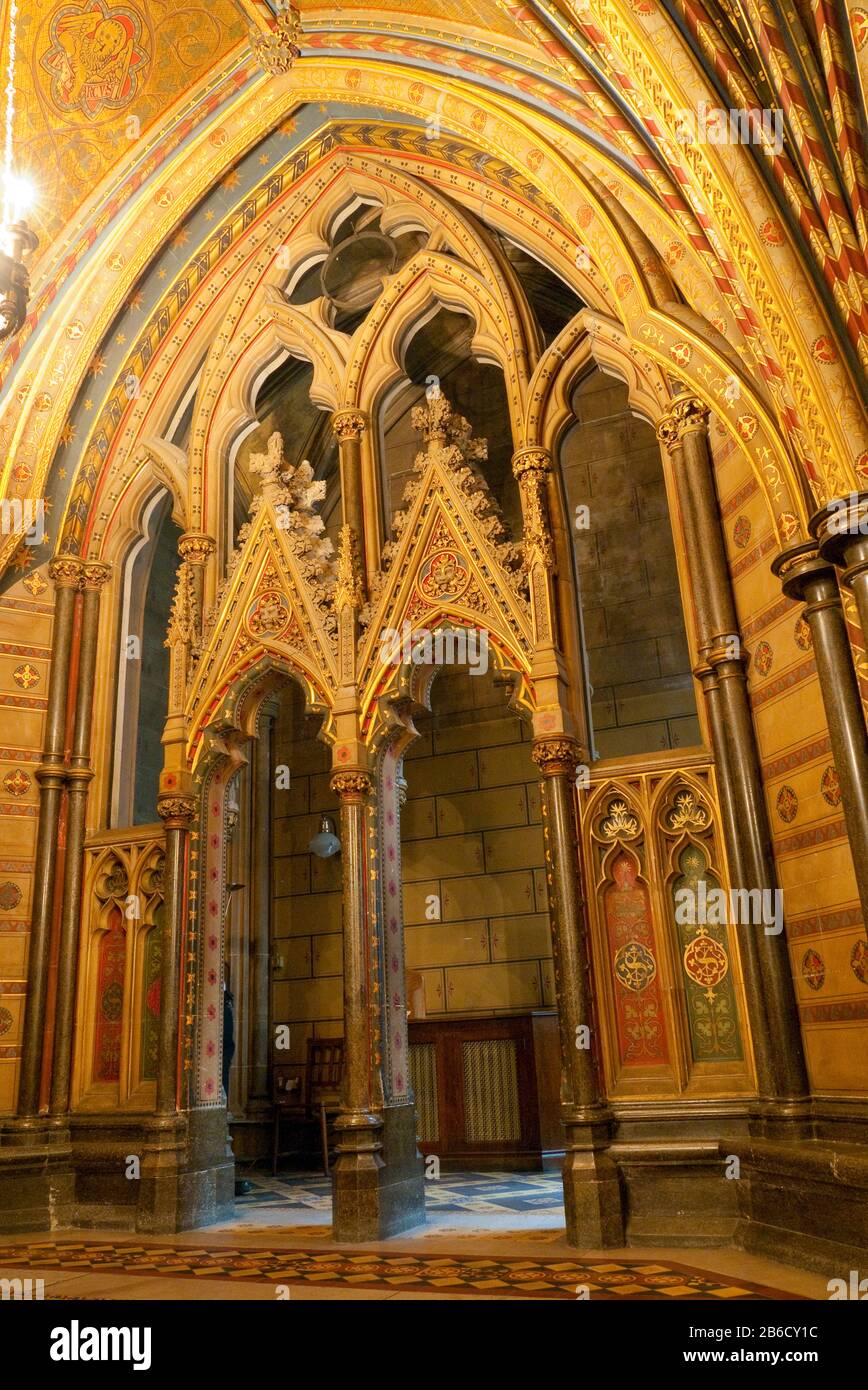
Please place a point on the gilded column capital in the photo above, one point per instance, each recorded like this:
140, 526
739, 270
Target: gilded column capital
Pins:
558, 756
176, 812
196, 546
95, 574
667, 433
801, 567
531, 459
66, 571
841, 525
349, 424
352, 786
688, 415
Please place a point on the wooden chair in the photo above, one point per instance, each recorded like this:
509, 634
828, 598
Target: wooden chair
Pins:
325, 1062
310, 1095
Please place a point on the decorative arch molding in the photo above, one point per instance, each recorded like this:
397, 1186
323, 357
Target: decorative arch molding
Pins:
271, 329
593, 339
588, 340
116, 698
219, 750
833, 425
269, 616
447, 567
671, 344
169, 464
240, 351
431, 279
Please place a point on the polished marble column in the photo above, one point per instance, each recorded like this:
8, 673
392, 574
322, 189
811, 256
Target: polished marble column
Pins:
359, 1162
79, 775
66, 572
775, 1031
592, 1197
806, 576
348, 426
841, 530
177, 814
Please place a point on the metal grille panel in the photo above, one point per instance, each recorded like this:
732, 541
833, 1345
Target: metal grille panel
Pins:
491, 1102
423, 1077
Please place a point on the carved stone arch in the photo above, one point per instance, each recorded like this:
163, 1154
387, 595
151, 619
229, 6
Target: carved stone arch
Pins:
342, 202
631, 352
389, 732
835, 471
274, 607
306, 333
683, 810
429, 278
407, 685
216, 757
311, 251
247, 691
588, 341
445, 520
273, 330
169, 464
605, 803
406, 214
452, 229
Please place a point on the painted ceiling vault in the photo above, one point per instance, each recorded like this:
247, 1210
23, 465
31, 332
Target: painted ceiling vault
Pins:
171, 169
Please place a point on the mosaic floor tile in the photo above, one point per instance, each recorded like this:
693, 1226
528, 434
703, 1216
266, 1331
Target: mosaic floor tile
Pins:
509, 1277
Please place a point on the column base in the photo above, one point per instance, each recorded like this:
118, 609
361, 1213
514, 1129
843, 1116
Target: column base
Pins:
188, 1173
593, 1205
184, 1177
378, 1186
787, 1118
37, 1182
804, 1202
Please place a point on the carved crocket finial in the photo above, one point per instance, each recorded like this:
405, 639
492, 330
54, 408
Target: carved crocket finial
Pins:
272, 463
440, 426
350, 586
184, 621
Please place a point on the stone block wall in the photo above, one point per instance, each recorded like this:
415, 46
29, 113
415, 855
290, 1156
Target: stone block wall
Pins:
472, 847
471, 840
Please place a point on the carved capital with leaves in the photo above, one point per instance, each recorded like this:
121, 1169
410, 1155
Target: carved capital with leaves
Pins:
349, 424
558, 756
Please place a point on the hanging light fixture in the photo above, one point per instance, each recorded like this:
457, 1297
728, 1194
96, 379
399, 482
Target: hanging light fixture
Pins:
325, 843
17, 241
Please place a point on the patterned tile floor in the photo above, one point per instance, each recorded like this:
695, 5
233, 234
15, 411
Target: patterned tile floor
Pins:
487, 1236
504, 1276
480, 1194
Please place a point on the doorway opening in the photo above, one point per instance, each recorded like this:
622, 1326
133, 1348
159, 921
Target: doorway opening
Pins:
483, 1045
